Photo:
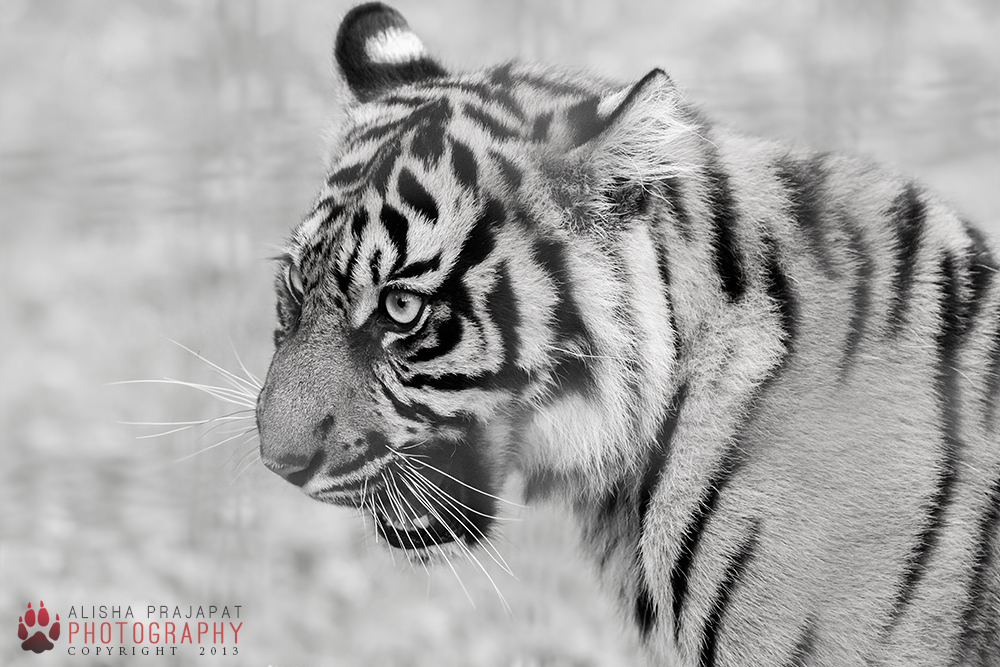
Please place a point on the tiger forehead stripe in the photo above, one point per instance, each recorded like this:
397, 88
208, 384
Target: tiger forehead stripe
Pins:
393, 46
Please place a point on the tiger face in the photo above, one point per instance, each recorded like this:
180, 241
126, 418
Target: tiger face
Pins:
449, 312
424, 307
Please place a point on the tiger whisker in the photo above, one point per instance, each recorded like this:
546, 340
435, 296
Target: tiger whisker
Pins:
245, 455
375, 509
228, 417
234, 379
223, 393
217, 444
401, 497
488, 546
417, 460
365, 498
585, 355
459, 503
396, 498
250, 464
468, 553
253, 379
226, 393
451, 567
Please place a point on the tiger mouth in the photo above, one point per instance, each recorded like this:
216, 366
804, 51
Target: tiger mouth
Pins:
413, 534
418, 515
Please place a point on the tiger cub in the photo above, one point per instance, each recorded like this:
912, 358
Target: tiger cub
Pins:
765, 381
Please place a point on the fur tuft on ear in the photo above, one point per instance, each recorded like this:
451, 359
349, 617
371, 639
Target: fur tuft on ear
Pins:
623, 144
376, 51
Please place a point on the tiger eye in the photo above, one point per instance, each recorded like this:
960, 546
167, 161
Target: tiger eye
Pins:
294, 283
402, 306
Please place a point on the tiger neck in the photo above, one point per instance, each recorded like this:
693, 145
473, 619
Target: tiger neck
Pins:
730, 337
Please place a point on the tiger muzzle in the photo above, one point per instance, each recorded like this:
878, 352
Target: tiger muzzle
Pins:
309, 419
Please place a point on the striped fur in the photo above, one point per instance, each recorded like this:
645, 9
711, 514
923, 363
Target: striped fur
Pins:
766, 381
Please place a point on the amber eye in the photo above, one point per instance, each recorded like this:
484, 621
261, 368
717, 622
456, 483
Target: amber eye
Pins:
402, 307
293, 283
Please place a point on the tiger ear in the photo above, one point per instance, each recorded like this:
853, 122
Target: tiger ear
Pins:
622, 144
598, 117
376, 51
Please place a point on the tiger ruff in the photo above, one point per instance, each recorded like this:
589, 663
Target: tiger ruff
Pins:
765, 380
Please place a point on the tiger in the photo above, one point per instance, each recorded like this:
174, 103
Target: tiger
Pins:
763, 381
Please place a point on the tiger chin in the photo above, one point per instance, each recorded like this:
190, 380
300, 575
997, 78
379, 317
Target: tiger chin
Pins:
765, 381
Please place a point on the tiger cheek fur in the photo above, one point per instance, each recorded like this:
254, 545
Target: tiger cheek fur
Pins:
765, 381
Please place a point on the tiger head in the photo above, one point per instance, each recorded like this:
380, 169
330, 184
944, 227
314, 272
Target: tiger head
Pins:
447, 312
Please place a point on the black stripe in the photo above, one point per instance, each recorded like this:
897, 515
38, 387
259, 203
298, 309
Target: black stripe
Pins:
908, 214
982, 267
540, 129
691, 538
420, 412
479, 243
663, 265
501, 304
463, 164
645, 609
428, 138
805, 182
397, 226
861, 296
978, 611
658, 455
373, 133
674, 188
486, 93
511, 174
418, 268
571, 372
729, 262
346, 176
734, 574
804, 648
494, 126
508, 378
780, 291
561, 88
400, 100
414, 195
584, 121
949, 339
433, 115
663, 269
358, 223
651, 477
373, 266
449, 333
552, 255
333, 210
993, 380
427, 144
382, 165
344, 281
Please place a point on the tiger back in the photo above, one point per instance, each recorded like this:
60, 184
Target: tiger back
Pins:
764, 381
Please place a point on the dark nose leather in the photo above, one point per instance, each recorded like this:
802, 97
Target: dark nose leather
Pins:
296, 470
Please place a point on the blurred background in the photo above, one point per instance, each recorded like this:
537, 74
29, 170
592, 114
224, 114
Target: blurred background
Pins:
154, 154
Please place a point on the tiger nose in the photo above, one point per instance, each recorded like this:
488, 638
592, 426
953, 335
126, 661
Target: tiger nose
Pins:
295, 469
298, 465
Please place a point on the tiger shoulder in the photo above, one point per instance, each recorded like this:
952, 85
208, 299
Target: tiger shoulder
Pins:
765, 381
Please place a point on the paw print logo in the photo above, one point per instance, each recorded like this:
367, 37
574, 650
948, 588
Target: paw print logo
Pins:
37, 642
